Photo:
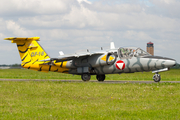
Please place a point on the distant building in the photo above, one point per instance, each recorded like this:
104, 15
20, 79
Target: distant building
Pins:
150, 48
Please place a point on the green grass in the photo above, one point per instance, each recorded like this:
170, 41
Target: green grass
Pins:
172, 75
86, 100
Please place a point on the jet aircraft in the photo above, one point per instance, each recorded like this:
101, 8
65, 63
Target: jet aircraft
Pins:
112, 61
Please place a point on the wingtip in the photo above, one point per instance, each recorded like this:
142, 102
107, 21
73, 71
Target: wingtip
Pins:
35, 38
8, 38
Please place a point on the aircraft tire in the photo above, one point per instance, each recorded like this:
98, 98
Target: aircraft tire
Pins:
86, 77
100, 77
156, 78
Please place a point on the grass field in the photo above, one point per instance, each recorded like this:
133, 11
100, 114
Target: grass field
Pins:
63, 100
86, 100
172, 75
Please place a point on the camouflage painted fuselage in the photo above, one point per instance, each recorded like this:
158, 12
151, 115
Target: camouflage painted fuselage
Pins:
96, 65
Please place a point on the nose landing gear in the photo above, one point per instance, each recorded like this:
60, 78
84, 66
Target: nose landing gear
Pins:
156, 77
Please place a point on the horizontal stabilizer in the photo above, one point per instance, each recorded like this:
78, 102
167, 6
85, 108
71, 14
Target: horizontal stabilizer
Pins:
14, 39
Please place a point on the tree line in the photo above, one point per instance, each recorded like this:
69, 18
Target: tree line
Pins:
12, 65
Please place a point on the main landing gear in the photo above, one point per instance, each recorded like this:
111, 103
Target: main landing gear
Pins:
156, 77
87, 77
100, 78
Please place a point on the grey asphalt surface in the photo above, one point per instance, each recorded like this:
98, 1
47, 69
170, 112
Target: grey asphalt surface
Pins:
106, 81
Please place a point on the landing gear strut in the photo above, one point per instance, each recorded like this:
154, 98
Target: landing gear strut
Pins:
156, 77
100, 77
86, 77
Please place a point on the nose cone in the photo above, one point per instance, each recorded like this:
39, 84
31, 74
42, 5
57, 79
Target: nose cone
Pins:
163, 61
169, 63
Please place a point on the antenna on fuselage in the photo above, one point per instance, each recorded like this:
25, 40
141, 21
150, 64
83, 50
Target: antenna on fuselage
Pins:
112, 46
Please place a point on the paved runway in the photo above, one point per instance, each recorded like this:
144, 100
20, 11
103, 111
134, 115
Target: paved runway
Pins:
106, 81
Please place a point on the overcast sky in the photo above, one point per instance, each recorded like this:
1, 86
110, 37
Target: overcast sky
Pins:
75, 25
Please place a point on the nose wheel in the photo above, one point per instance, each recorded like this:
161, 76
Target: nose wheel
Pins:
156, 77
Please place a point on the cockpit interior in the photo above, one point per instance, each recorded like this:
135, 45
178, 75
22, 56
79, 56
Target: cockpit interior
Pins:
129, 52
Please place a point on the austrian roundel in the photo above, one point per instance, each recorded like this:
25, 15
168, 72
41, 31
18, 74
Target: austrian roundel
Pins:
120, 65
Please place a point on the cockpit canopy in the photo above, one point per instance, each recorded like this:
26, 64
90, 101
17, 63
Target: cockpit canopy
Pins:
131, 52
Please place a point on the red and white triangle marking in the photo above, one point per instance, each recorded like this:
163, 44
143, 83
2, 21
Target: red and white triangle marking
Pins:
120, 65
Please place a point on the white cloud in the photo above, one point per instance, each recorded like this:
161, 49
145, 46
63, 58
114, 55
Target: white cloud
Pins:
168, 8
16, 29
137, 36
168, 1
86, 1
79, 24
34, 7
116, 8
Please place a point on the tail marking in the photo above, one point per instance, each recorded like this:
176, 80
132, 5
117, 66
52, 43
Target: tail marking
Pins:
32, 53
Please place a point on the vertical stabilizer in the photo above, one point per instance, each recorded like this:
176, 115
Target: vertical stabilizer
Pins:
32, 56
29, 49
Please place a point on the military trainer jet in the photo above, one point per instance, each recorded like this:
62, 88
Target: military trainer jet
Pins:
99, 63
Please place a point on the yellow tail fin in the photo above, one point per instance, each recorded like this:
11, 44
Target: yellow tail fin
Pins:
32, 54
29, 49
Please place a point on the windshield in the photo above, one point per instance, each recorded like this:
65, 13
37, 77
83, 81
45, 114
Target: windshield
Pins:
132, 52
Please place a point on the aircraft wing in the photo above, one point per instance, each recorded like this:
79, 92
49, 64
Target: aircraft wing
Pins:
62, 58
